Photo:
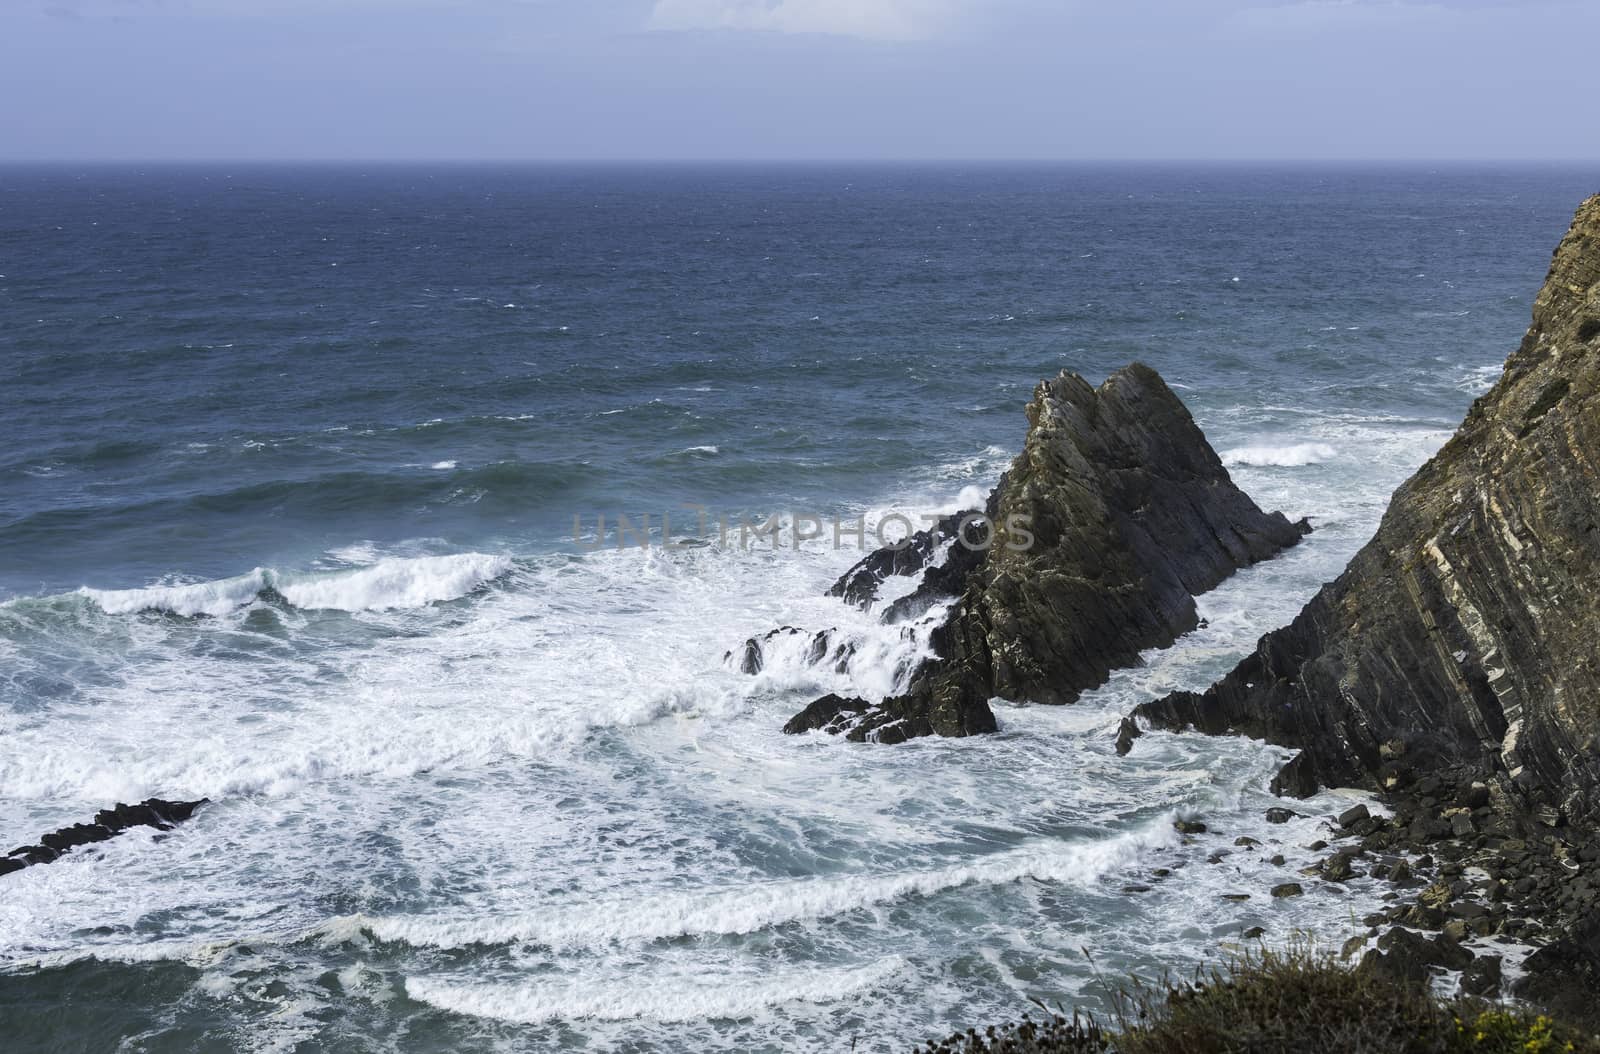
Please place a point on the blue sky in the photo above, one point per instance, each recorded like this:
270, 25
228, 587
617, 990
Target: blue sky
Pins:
804, 79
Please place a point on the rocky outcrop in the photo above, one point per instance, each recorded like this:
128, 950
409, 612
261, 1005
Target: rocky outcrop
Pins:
1466, 634
108, 823
1114, 516
938, 552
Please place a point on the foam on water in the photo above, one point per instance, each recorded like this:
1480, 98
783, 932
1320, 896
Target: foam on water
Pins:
388, 583
756, 907
1290, 455
706, 998
575, 821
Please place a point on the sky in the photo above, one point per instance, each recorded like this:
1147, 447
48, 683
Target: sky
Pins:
798, 79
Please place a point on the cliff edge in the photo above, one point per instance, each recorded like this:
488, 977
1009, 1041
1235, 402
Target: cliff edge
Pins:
1466, 634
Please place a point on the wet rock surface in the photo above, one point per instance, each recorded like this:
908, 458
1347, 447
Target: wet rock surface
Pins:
108, 823
1114, 516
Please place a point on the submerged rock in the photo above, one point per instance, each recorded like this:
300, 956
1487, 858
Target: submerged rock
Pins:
1114, 516
108, 823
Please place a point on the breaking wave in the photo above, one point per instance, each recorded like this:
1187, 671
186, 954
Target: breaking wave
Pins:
389, 583
1294, 455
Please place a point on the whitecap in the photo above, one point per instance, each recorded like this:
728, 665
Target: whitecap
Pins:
188, 599
1292, 455
394, 583
389, 583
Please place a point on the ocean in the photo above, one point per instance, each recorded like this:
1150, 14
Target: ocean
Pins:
294, 457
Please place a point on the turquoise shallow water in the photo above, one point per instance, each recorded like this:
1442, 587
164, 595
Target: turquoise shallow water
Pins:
285, 520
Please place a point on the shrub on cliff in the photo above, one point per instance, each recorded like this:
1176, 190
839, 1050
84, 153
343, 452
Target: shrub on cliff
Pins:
1284, 1003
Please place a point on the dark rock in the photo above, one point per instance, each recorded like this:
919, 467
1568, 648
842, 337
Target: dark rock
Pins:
1351, 946
1127, 732
859, 585
1189, 826
1351, 816
831, 713
1397, 969
1564, 975
1337, 868
1280, 815
1297, 779
1482, 977
1287, 889
1253, 933
752, 653
1244, 841
159, 813
76, 835
1430, 951
1116, 514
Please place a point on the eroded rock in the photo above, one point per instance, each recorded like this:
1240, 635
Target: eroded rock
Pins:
1114, 516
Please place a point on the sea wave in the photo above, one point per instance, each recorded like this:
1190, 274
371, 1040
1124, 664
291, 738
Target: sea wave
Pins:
389, 583
748, 909
1292, 455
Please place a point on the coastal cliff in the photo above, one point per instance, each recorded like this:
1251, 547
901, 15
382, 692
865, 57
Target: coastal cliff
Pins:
1466, 634
1116, 513
1455, 667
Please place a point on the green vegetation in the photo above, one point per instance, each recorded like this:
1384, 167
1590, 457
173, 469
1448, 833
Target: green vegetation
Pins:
1289, 1002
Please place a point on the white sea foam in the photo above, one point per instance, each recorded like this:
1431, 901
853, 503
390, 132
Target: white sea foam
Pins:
443, 465
394, 583
1291, 455
612, 831
214, 598
757, 907
687, 999
389, 583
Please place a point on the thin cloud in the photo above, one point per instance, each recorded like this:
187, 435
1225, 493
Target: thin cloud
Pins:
869, 19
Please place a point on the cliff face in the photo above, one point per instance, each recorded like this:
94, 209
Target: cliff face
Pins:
1130, 513
1466, 634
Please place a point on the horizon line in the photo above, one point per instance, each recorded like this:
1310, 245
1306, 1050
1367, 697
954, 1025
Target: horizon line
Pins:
714, 160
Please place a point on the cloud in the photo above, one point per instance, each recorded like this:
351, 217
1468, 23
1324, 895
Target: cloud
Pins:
870, 19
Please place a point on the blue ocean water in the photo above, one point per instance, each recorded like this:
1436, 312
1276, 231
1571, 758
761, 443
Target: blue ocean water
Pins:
286, 520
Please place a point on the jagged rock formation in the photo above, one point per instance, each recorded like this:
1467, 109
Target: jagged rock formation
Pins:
1114, 516
108, 823
1466, 634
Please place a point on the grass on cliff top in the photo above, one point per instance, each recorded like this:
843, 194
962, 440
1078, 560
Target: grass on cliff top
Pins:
1283, 1003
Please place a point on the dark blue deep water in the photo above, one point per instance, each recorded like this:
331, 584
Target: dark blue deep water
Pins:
291, 462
